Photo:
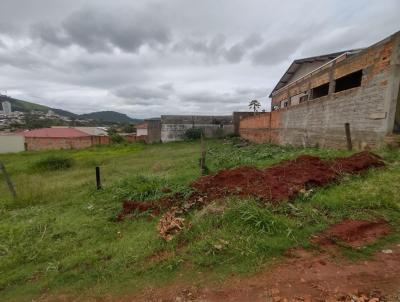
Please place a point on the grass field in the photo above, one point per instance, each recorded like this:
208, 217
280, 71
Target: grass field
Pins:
60, 235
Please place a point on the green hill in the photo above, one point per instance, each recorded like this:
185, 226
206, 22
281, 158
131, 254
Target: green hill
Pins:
23, 106
103, 116
109, 116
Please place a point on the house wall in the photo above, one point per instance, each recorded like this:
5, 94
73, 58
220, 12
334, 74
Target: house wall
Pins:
173, 127
370, 109
132, 137
140, 132
100, 140
45, 143
11, 143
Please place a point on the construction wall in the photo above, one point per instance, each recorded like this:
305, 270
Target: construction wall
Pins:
11, 143
261, 128
173, 127
369, 109
153, 131
237, 116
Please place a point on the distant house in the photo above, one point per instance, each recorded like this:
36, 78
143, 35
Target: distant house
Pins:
60, 138
141, 129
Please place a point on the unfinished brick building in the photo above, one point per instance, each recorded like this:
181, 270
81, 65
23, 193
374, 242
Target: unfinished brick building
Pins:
316, 97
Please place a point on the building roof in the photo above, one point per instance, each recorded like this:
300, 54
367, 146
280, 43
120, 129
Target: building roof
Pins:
296, 64
55, 133
96, 131
141, 126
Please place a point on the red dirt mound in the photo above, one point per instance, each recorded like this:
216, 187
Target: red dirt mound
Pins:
284, 180
357, 162
154, 207
275, 184
355, 233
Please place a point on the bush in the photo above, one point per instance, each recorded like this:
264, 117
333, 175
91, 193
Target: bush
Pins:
53, 162
193, 133
116, 138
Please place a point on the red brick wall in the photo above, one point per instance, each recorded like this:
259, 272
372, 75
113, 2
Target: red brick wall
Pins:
100, 140
261, 128
134, 138
38, 143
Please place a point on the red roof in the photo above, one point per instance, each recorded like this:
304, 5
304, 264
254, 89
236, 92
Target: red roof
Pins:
55, 132
141, 126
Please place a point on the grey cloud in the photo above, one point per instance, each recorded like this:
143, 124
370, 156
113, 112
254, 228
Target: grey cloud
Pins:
275, 52
50, 34
217, 50
237, 51
145, 95
152, 57
234, 97
97, 30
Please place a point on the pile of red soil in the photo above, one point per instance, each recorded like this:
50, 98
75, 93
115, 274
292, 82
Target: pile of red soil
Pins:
354, 233
275, 184
153, 207
284, 180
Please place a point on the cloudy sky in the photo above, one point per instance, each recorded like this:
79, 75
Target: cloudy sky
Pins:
146, 58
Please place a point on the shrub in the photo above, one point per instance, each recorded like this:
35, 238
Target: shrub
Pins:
193, 133
116, 138
53, 162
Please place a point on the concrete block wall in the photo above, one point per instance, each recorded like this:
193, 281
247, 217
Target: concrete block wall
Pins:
173, 127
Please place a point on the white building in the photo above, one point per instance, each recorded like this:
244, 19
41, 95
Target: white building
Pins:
11, 142
141, 129
6, 108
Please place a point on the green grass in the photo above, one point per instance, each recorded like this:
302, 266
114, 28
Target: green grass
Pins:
60, 237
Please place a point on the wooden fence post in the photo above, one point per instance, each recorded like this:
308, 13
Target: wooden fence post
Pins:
98, 180
202, 157
8, 181
348, 136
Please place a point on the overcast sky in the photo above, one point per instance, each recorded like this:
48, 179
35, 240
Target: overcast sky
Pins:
147, 58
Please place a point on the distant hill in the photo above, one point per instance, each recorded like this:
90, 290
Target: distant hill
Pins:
65, 113
104, 116
109, 116
23, 106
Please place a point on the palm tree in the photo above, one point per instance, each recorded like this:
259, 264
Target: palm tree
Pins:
255, 105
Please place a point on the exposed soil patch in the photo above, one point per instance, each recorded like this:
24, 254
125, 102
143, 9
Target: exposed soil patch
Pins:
275, 184
302, 276
285, 180
153, 207
354, 233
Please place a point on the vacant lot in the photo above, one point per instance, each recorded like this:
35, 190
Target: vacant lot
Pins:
60, 236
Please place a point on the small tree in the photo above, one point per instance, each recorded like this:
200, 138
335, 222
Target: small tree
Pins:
255, 105
114, 136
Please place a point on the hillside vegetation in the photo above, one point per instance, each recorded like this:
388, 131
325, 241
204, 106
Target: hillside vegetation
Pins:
23, 106
60, 235
105, 116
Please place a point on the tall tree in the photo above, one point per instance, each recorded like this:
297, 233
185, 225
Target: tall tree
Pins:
255, 105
